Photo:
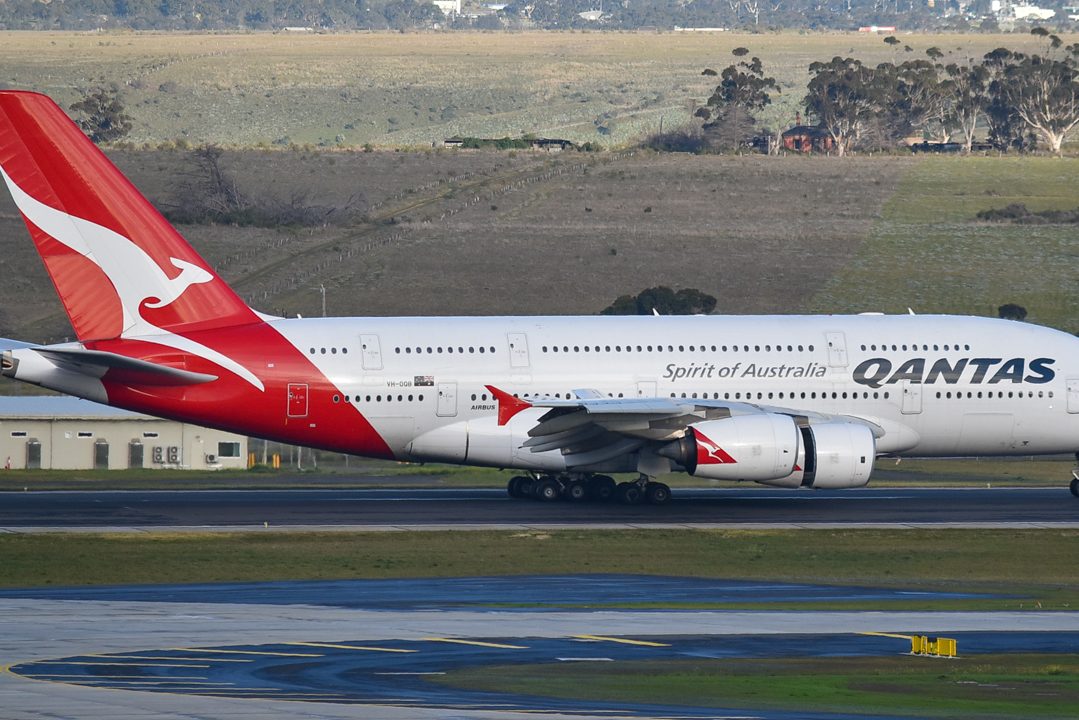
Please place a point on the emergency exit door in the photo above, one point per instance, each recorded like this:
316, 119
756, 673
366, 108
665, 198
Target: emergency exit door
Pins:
297, 400
371, 352
447, 399
1073, 395
837, 349
518, 343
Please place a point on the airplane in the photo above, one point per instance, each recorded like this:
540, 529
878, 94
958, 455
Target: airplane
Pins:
789, 401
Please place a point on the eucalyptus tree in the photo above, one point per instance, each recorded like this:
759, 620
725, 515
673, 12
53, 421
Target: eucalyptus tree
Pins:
845, 98
743, 90
101, 114
966, 87
1034, 93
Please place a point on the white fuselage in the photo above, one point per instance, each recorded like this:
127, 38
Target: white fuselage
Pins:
937, 385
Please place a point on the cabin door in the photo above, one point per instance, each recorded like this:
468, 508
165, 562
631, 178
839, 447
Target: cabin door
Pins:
297, 400
912, 397
447, 399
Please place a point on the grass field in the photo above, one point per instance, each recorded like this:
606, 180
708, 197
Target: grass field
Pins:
1035, 568
397, 89
927, 250
982, 686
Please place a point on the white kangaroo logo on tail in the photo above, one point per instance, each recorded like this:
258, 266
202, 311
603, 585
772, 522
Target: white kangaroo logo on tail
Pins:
134, 275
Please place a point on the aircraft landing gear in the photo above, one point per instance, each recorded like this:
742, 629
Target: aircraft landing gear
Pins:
519, 486
643, 490
581, 487
1075, 477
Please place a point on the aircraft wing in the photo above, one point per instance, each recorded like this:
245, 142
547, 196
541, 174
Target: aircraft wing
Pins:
592, 428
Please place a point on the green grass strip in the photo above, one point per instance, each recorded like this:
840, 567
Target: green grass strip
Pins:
928, 250
985, 686
1037, 564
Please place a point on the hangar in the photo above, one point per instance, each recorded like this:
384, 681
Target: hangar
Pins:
66, 433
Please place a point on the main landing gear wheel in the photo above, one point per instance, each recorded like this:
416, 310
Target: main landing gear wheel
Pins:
546, 490
601, 487
519, 486
1075, 477
575, 491
657, 493
629, 493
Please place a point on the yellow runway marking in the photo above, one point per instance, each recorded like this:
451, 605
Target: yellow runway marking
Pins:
188, 678
112, 664
248, 652
477, 643
154, 657
351, 647
118, 683
624, 641
888, 635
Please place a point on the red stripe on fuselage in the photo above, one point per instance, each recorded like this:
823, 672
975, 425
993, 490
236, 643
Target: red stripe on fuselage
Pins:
232, 403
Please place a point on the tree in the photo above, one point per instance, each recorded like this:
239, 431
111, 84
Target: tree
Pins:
1011, 311
1044, 93
411, 13
101, 114
918, 97
844, 97
664, 301
1005, 127
965, 92
742, 91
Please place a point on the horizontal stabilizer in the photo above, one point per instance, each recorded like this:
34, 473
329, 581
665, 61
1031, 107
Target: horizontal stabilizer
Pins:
129, 371
9, 344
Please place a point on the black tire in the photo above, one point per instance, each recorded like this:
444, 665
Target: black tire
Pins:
630, 493
546, 490
524, 486
513, 487
601, 488
657, 493
575, 491
1075, 487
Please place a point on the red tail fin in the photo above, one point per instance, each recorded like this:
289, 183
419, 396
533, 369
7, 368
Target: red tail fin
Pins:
118, 266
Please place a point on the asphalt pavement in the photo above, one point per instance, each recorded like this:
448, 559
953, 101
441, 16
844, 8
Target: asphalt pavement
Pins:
486, 508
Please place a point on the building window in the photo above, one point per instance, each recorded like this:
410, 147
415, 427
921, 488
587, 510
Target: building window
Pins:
228, 449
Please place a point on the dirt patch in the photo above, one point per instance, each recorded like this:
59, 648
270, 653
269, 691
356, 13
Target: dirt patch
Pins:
760, 234
490, 233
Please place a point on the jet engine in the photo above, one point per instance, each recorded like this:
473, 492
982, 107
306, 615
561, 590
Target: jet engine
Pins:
773, 450
744, 447
833, 456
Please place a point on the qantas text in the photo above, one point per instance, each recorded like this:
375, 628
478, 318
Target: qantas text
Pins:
878, 371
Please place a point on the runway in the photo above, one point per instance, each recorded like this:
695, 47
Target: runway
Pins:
377, 649
491, 508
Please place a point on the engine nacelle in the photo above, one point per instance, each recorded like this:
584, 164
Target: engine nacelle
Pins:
745, 447
832, 456
844, 456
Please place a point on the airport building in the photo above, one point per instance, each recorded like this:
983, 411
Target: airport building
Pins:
66, 433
